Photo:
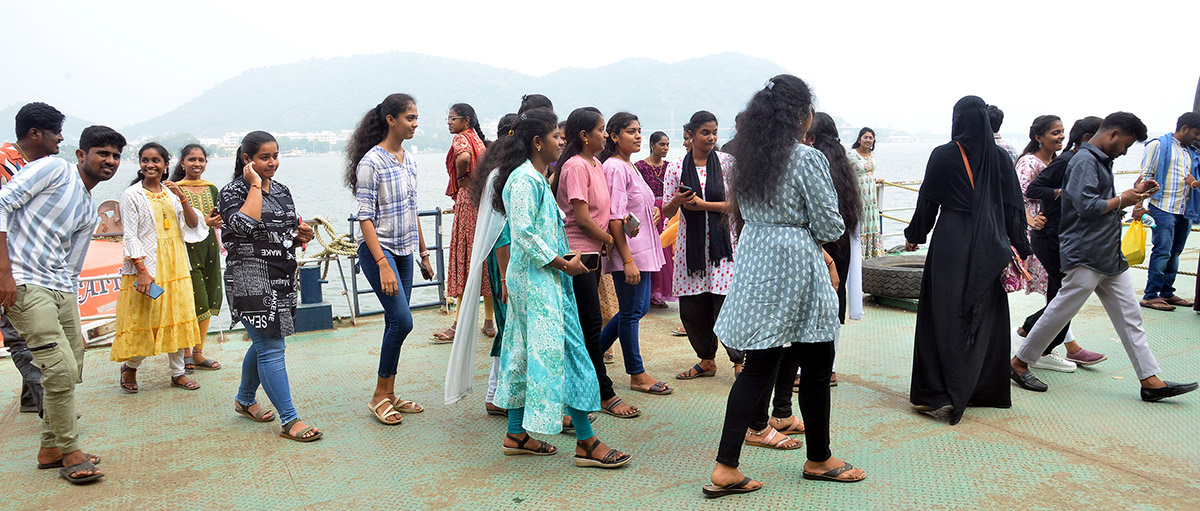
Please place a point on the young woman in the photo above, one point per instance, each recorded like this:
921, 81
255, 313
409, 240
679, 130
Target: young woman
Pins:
962, 340
261, 231
704, 243
204, 251
544, 366
466, 149
383, 176
637, 252
871, 231
155, 308
653, 169
1046, 136
782, 308
581, 190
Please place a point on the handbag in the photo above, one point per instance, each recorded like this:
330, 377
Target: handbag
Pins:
1015, 275
1133, 245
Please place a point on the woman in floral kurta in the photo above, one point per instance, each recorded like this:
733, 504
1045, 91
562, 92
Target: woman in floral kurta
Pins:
1028, 168
544, 365
870, 232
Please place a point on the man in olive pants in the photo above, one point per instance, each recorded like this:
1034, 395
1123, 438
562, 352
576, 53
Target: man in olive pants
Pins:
46, 222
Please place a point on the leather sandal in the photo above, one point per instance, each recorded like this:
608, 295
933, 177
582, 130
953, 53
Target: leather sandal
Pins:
179, 381
774, 440
261, 416
299, 437
383, 410
543, 448
1158, 304
128, 387
613, 459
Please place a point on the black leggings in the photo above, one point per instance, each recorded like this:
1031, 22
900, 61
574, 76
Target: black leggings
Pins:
698, 313
587, 297
751, 395
1045, 247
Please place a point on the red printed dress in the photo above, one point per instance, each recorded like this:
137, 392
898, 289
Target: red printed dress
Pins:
462, 235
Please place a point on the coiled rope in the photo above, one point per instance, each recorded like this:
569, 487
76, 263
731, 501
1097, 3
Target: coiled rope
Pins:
338, 245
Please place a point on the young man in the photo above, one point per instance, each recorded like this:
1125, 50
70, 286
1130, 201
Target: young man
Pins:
46, 222
1168, 161
996, 118
39, 131
1090, 234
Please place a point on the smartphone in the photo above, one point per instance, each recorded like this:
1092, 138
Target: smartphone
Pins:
590, 260
685, 188
155, 291
425, 273
631, 223
1152, 191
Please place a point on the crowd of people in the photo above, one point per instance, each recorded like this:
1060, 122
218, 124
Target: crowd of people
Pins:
570, 243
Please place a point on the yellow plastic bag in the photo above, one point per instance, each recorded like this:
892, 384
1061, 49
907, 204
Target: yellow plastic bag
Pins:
1133, 245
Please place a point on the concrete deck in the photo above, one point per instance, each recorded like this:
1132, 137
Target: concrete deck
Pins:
1088, 443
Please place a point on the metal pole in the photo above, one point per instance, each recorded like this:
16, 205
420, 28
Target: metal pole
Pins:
353, 274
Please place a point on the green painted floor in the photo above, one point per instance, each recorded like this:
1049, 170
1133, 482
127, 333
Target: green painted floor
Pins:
1089, 443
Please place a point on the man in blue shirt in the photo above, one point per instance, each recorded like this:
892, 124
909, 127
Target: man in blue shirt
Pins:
1090, 234
1168, 160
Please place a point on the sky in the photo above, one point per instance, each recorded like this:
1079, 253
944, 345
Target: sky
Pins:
899, 65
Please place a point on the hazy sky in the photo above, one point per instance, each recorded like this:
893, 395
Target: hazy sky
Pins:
887, 64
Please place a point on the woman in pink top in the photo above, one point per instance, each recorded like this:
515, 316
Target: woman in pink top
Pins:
637, 253
581, 189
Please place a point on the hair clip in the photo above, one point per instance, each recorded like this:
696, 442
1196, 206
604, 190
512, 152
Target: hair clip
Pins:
524, 117
510, 133
770, 85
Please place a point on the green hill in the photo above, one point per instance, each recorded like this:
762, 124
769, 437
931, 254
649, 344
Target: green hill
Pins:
332, 94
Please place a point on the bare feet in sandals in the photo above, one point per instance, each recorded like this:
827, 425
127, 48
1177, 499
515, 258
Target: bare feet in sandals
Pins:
727, 480
643, 382
789, 426
297, 426
489, 329
833, 469
445, 336
771, 439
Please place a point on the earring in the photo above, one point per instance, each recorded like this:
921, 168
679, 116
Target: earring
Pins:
538, 148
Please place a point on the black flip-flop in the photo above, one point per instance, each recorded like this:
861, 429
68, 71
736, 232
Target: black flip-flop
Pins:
713, 491
66, 472
59, 463
832, 475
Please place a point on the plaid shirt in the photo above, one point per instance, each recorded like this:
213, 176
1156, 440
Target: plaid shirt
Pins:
1173, 193
1008, 148
387, 195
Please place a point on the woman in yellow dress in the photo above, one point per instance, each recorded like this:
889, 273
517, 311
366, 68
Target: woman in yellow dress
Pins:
155, 309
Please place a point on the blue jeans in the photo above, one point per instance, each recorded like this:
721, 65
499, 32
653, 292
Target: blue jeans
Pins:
635, 303
264, 366
1170, 236
397, 318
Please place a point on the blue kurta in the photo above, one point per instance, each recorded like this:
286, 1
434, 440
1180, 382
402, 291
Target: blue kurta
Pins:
781, 290
544, 365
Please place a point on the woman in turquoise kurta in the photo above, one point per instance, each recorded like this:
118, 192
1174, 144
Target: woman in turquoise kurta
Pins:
544, 366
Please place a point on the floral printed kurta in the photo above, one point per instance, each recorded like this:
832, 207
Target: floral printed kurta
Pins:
870, 231
1028, 168
544, 365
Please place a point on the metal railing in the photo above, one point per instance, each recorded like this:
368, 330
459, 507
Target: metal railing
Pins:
439, 278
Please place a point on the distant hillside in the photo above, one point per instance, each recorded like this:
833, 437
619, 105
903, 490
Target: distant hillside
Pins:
332, 94
72, 127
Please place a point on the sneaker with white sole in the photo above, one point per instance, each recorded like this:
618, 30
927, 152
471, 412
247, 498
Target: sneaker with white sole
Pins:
1053, 362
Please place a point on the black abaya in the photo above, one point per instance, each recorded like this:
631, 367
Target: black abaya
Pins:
960, 354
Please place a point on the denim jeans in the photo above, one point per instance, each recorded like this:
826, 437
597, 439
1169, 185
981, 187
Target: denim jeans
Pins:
635, 303
397, 318
1170, 236
264, 365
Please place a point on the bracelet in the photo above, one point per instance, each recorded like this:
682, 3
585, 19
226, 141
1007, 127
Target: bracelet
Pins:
504, 281
380, 259
830, 263
257, 186
424, 254
628, 261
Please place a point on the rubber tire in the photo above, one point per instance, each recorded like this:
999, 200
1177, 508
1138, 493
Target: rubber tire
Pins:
893, 276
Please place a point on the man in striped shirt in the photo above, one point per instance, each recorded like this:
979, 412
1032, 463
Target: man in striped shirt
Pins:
46, 222
39, 131
1168, 161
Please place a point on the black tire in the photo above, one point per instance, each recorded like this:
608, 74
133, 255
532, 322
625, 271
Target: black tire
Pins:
893, 276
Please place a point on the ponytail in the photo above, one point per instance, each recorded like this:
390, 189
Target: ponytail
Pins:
1041, 125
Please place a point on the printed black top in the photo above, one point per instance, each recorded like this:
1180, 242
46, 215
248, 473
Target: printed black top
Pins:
260, 270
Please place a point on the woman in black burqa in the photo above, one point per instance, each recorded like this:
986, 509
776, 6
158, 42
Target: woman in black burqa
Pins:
962, 336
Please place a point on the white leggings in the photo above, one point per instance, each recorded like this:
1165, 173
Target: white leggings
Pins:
174, 359
491, 393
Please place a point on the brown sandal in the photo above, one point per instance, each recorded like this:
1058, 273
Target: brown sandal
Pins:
182, 382
796, 427
129, 387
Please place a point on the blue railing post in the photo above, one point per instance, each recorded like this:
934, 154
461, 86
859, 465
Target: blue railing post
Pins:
437, 249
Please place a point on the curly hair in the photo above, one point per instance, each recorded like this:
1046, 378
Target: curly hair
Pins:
770, 126
371, 130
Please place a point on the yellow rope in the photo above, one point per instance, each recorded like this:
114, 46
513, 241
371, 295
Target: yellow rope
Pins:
343, 245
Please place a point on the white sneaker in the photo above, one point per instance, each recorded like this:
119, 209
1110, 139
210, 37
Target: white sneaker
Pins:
1053, 362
